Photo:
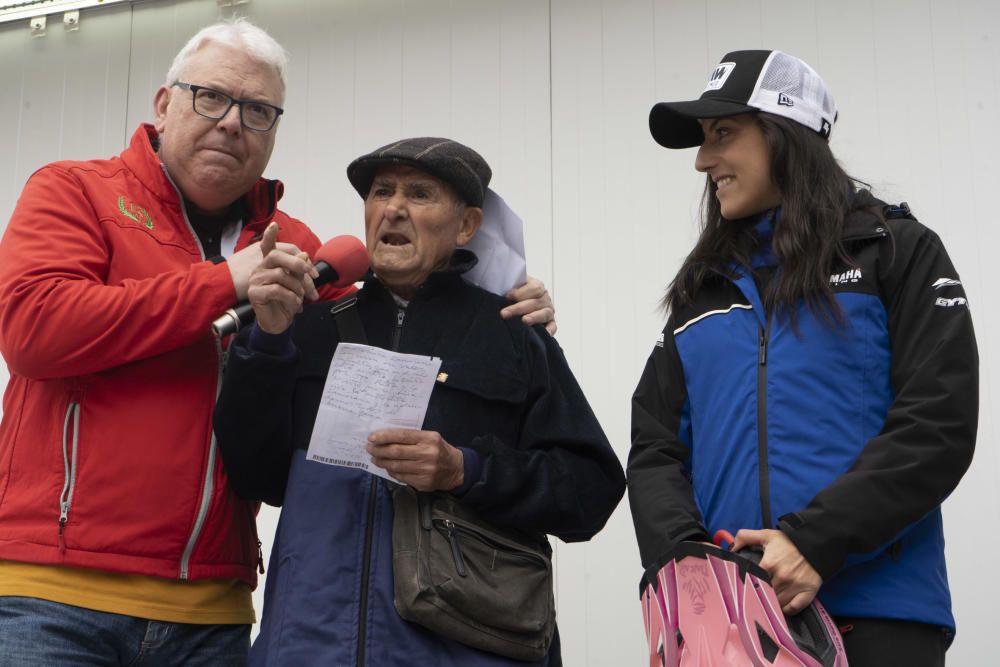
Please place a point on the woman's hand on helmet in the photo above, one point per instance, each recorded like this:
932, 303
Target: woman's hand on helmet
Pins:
794, 580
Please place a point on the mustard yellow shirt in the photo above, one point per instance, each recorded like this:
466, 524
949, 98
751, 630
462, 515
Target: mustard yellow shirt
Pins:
201, 602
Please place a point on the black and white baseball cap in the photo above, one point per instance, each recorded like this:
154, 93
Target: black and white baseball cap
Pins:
747, 82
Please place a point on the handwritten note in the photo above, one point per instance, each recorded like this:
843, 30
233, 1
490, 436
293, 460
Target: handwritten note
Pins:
367, 389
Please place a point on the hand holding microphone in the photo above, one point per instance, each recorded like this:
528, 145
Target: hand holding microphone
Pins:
280, 284
286, 277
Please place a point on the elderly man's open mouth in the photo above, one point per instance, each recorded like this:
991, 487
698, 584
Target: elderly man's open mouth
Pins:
394, 239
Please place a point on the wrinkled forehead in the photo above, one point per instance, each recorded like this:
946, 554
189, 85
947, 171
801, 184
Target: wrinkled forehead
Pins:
404, 174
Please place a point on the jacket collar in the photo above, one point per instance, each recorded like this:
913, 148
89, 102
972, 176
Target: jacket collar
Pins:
763, 229
140, 157
865, 220
439, 282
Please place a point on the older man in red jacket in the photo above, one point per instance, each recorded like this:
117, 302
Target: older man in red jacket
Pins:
120, 538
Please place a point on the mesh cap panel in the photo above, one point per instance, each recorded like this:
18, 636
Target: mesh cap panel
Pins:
789, 87
783, 75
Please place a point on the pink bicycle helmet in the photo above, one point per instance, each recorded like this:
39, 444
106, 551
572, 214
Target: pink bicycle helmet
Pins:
710, 607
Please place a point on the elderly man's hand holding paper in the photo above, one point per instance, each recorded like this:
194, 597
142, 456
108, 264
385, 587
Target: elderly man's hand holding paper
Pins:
422, 459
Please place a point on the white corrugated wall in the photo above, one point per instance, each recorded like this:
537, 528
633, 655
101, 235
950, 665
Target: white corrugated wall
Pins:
555, 95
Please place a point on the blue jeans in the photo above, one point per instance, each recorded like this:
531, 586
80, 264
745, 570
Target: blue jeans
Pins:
38, 632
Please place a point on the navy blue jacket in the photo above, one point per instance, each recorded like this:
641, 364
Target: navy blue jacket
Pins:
846, 437
547, 468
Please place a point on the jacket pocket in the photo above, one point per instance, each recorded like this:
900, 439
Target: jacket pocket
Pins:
476, 552
494, 382
471, 400
70, 450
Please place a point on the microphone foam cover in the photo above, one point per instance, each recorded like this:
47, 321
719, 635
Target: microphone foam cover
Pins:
348, 256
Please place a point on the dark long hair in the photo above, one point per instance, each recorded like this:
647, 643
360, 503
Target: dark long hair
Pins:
816, 198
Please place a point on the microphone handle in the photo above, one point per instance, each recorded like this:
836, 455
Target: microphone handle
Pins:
233, 320
241, 315
327, 274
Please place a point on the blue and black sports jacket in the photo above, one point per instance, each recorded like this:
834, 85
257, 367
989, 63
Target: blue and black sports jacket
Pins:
845, 437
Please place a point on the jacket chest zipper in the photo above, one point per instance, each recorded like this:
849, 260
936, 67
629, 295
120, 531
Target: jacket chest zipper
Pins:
765, 484
69, 449
187, 221
207, 486
370, 526
400, 316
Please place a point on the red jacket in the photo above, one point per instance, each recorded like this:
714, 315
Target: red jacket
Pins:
107, 458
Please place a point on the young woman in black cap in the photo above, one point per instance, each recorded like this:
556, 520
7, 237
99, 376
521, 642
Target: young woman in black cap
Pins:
816, 384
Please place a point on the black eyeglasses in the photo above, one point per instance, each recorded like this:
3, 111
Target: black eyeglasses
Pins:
210, 103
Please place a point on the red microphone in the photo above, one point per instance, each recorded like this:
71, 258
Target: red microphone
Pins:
341, 261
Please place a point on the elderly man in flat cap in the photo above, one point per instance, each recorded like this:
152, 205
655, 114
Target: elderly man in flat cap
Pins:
507, 432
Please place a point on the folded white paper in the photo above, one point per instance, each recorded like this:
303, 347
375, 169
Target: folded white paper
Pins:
499, 245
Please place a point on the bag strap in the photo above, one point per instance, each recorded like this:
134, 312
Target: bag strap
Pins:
348, 321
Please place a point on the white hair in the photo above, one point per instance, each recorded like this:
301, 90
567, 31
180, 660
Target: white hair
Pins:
238, 33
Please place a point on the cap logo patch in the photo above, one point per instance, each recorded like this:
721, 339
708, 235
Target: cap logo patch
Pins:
719, 75
785, 100
824, 129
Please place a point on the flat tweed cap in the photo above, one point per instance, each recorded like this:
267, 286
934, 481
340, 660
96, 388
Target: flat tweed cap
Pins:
457, 165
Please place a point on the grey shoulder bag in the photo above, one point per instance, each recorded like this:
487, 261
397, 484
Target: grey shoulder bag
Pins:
463, 579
